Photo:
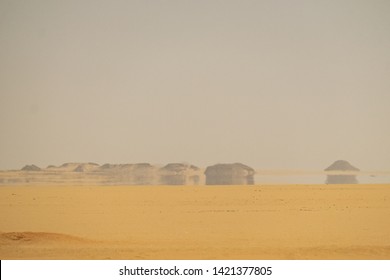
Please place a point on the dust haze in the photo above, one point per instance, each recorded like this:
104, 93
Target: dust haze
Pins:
274, 85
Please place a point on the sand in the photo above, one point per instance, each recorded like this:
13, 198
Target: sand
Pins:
200, 222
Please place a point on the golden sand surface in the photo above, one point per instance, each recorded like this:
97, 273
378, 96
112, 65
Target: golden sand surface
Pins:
200, 222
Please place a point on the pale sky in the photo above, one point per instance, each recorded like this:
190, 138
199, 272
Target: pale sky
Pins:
272, 84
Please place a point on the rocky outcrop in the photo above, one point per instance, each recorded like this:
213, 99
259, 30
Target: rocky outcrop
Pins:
229, 174
179, 174
31, 167
339, 167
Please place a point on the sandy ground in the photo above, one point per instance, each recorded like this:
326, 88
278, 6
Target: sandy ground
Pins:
202, 222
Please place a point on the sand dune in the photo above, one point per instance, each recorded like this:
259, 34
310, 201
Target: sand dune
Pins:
9, 238
202, 222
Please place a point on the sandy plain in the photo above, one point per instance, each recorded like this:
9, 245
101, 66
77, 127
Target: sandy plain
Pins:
195, 222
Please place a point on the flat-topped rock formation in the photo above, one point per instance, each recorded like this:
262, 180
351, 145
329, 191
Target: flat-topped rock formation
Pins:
132, 174
179, 174
229, 174
341, 166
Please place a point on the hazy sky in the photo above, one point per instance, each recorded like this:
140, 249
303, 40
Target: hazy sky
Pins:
272, 84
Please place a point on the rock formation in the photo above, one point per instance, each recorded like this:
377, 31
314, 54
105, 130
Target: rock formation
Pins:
339, 167
179, 174
229, 174
31, 167
143, 174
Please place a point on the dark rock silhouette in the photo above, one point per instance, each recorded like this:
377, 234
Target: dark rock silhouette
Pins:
31, 167
341, 166
229, 174
178, 174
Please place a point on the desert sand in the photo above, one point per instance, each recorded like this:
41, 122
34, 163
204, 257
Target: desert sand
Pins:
195, 222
